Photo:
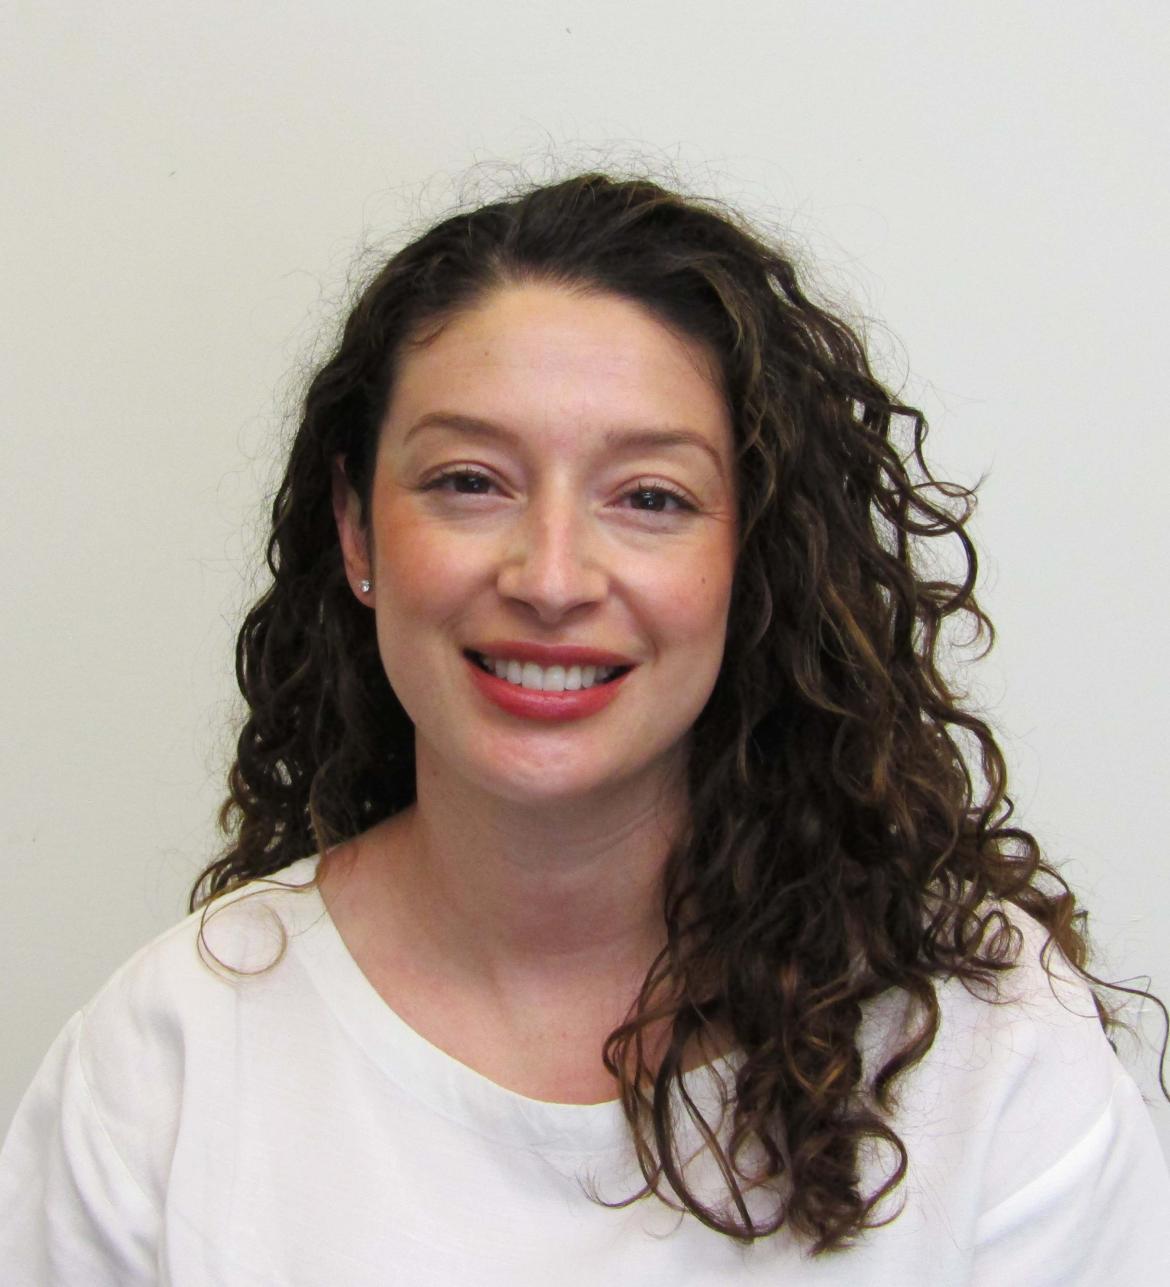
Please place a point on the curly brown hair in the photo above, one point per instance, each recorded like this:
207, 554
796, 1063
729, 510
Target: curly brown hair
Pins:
849, 830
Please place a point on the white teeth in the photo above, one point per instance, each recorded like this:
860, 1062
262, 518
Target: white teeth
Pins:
553, 679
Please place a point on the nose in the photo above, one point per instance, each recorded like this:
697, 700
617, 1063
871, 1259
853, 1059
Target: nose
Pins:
552, 560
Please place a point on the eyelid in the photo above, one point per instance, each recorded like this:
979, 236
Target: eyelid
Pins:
685, 502
448, 472
685, 499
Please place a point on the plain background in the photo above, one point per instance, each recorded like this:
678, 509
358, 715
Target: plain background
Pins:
191, 190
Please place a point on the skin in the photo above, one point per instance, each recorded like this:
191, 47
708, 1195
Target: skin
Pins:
510, 916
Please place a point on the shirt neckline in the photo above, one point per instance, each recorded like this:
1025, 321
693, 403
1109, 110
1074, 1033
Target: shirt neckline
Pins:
432, 1077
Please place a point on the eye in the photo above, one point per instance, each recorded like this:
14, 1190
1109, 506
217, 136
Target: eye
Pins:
658, 498
462, 481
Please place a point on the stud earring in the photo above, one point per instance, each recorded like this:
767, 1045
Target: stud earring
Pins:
364, 584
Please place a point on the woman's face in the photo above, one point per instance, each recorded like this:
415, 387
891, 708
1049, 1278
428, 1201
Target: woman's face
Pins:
553, 502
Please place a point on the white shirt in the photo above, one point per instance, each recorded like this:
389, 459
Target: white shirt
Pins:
198, 1128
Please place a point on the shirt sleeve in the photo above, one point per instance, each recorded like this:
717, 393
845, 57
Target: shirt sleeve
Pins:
70, 1210
1097, 1215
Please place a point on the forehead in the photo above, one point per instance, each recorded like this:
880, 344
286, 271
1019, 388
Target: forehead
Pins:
558, 362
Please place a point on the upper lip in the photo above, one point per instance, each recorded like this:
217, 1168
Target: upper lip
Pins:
550, 654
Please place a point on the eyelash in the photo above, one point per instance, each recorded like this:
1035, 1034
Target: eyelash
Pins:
643, 487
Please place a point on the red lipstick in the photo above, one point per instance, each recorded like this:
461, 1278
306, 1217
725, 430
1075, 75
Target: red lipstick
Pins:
528, 703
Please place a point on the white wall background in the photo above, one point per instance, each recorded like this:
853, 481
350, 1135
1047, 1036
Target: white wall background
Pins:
187, 185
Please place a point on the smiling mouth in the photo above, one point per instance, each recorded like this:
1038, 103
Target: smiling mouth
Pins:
546, 679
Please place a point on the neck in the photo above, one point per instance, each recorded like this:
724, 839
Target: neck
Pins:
513, 936
527, 896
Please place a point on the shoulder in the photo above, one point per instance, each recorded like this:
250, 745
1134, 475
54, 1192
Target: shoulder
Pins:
1028, 1043
1021, 1101
193, 968
1073, 1184
171, 1013
85, 1168
1036, 1009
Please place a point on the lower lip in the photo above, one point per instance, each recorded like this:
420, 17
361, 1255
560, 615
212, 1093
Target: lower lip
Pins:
528, 703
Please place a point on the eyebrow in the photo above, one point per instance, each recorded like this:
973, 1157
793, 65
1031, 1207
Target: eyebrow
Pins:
616, 439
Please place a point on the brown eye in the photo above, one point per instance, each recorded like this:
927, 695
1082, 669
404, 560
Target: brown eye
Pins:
658, 499
464, 482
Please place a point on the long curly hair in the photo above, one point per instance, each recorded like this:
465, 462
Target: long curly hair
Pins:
849, 830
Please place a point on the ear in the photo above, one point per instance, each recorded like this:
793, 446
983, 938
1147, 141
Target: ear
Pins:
355, 552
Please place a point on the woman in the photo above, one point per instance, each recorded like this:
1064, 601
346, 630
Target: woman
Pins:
669, 924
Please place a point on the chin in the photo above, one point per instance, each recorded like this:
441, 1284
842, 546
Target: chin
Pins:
538, 784
541, 788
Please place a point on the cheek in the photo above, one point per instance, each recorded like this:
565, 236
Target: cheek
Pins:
419, 586
690, 600
419, 570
